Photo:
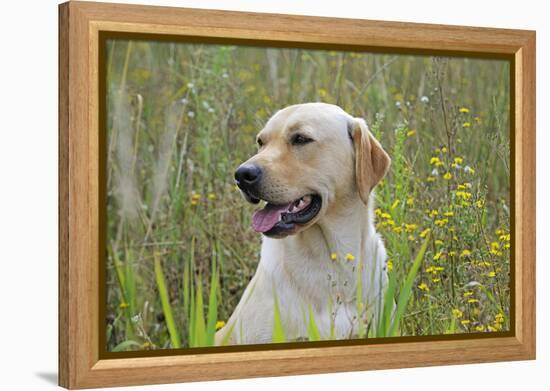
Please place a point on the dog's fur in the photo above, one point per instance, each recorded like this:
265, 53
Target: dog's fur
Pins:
342, 165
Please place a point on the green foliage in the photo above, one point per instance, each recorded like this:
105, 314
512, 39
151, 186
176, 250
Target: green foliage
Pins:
312, 328
278, 329
166, 307
406, 288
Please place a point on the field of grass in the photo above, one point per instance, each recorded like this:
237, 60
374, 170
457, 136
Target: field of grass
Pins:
182, 117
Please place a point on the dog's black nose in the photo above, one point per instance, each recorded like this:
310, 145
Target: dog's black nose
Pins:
248, 176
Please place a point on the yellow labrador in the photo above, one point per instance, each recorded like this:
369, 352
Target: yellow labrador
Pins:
315, 168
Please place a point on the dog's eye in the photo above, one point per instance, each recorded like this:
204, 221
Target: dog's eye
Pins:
260, 142
300, 139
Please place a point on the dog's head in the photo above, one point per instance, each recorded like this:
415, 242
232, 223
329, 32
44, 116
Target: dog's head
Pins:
310, 157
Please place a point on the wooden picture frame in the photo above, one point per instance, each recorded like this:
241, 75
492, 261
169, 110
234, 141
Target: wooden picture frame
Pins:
81, 24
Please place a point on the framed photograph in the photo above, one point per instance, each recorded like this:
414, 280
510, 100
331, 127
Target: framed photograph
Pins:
247, 195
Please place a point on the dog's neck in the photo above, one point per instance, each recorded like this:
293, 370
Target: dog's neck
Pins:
347, 228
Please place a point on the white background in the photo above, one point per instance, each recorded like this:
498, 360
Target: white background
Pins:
28, 193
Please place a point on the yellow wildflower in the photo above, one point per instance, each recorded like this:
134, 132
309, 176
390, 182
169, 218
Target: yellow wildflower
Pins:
444, 149
457, 313
495, 249
448, 214
437, 256
464, 110
410, 227
211, 196
465, 253
459, 160
430, 179
436, 279
424, 233
411, 133
410, 201
385, 215
465, 322
397, 230
434, 213
350, 257
452, 253
491, 274
480, 328
466, 125
464, 195
123, 305
394, 205
472, 301
438, 242
441, 222
435, 160
411, 238
499, 318
333, 256
423, 287
219, 324
479, 204
390, 265
468, 294
447, 176
504, 238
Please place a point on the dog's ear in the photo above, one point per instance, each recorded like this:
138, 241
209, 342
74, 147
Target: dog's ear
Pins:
371, 161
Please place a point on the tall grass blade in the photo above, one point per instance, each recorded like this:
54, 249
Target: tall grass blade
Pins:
312, 328
406, 288
385, 320
131, 294
165, 301
278, 330
199, 337
212, 309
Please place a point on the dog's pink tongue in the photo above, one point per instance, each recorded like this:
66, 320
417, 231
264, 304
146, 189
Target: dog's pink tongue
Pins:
264, 219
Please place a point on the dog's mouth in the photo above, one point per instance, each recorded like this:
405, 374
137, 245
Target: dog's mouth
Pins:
279, 220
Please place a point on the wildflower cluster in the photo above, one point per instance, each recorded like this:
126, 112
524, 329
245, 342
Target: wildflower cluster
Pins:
451, 203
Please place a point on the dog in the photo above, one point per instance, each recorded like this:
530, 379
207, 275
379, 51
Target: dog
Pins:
322, 261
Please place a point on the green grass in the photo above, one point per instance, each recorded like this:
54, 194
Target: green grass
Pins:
182, 117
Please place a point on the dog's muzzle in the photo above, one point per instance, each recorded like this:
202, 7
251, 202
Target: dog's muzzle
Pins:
248, 178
